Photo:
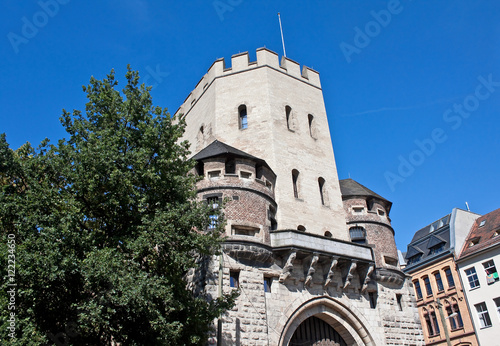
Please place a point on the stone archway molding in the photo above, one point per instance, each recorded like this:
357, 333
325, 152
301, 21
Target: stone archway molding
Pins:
346, 322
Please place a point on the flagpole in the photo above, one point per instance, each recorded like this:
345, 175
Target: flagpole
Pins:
282, 39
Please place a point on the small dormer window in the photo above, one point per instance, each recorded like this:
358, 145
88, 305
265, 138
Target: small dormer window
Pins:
212, 175
357, 210
482, 223
245, 175
436, 248
474, 241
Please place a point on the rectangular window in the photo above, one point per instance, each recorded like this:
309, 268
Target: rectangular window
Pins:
234, 279
428, 287
491, 272
439, 282
472, 277
418, 290
267, 284
449, 278
484, 316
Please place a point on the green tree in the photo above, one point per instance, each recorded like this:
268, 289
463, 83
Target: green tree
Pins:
106, 227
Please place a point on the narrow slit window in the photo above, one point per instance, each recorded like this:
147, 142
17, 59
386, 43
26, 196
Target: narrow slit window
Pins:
321, 184
234, 279
243, 118
399, 298
295, 182
267, 284
312, 125
289, 120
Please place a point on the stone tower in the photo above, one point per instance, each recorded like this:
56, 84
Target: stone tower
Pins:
260, 134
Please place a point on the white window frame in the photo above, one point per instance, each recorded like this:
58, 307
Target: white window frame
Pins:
472, 277
483, 315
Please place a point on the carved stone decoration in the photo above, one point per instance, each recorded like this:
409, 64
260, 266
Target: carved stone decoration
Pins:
367, 278
350, 274
331, 272
288, 267
311, 270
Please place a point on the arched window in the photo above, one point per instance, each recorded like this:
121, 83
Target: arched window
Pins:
243, 120
358, 235
328, 234
312, 125
431, 321
295, 182
454, 316
301, 228
321, 183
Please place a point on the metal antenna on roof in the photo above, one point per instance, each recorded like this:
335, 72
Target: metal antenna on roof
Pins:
467, 205
282, 39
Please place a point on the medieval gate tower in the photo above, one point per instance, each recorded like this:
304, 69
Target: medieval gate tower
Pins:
314, 259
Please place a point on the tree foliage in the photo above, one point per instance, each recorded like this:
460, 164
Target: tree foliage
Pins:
106, 227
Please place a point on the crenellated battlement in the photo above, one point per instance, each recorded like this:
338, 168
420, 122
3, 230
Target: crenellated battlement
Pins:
241, 62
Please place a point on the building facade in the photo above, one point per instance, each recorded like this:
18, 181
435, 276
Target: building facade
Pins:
430, 260
310, 267
477, 266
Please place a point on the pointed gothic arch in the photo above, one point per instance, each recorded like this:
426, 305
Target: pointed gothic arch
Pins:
346, 322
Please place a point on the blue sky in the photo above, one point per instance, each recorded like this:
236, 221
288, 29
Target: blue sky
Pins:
412, 88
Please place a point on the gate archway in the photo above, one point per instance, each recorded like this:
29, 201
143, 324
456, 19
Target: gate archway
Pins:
351, 326
315, 332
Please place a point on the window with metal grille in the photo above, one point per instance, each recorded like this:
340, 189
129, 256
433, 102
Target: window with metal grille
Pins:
358, 235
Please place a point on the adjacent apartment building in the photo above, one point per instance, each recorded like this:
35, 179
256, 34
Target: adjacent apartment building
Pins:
430, 260
314, 258
477, 264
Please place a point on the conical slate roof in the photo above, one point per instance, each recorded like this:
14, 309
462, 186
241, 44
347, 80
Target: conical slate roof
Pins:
349, 187
218, 148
